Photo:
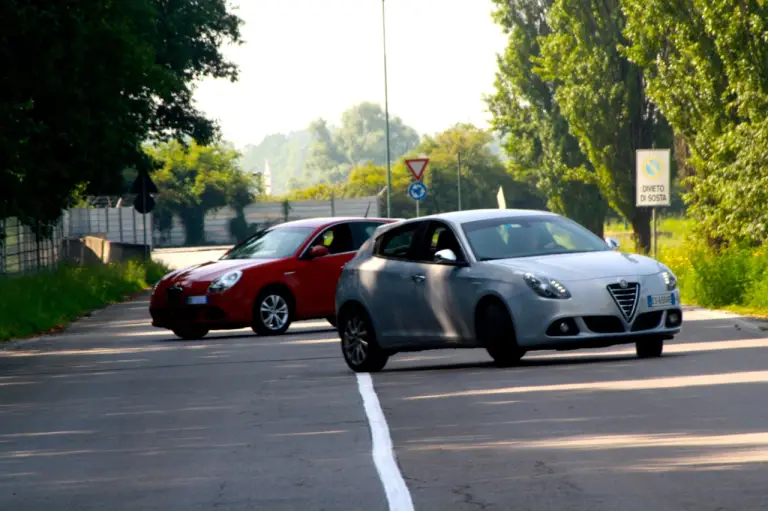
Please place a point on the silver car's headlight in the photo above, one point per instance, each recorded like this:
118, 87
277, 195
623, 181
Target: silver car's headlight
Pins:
546, 287
669, 279
225, 282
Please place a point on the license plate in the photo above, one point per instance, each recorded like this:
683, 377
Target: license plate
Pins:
197, 300
660, 300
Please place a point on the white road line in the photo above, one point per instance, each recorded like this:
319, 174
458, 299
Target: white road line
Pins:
398, 496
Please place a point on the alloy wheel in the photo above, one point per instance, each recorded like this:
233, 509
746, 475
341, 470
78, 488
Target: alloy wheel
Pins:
274, 312
356, 341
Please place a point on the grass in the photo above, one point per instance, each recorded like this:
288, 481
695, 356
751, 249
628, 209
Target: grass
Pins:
736, 279
49, 300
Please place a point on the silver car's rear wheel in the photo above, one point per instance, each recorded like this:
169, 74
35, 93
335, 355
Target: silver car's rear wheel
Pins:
358, 343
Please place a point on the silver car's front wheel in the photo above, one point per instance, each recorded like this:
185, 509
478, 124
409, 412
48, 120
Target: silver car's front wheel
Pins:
272, 313
497, 334
358, 343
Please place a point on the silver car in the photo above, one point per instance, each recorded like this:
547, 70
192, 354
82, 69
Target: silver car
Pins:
509, 281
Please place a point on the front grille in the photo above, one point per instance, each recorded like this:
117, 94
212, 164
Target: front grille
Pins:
604, 324
175, 296
625, 297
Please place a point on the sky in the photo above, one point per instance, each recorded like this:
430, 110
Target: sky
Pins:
304, 59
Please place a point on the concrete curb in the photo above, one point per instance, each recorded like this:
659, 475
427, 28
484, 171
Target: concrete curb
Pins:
755, 325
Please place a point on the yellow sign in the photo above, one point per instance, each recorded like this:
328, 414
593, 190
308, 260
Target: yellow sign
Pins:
500, 199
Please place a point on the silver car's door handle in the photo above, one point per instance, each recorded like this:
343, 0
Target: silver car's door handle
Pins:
418, 278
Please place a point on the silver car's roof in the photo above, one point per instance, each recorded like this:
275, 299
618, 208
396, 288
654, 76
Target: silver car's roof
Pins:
461, 217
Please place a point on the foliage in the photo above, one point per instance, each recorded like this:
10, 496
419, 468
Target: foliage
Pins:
541, 150
286, 155
195, 180
601, 95
482, 174
706, 66
361, 139
734, 278
69, 293
84, 83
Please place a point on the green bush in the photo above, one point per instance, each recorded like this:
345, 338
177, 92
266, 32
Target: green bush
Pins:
732, 277
33, 304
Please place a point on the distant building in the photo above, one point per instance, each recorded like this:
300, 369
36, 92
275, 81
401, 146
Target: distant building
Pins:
266, 178
267, 175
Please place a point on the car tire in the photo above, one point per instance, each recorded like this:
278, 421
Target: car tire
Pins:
190, 333
331, 320
272, 312
359, 346
650, 348
497, 334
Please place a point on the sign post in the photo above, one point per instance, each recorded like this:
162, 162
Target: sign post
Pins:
144, 187
653, 184
417, 190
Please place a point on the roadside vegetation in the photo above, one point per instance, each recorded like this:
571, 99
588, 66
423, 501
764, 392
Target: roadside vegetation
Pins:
47, 301
733, 278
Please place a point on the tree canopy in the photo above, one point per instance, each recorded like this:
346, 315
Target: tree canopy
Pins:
193, 181
85, 83
482, 173
706, 67
541, 149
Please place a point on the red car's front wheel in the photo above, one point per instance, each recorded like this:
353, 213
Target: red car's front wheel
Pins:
272, 313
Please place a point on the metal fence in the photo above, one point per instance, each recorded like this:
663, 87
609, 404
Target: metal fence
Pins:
123, 224
217, 223
23, 252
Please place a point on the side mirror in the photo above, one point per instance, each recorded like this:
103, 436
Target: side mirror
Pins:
613, 243
318, 251
445, 256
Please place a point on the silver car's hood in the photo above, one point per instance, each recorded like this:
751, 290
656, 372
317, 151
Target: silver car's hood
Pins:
583, 266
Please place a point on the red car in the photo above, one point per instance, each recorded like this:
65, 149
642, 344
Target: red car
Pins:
279, 275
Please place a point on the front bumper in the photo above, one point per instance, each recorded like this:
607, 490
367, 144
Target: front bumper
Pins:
593, 317
170, 309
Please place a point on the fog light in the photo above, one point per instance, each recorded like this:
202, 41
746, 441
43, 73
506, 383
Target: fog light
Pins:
564, 327
673, 318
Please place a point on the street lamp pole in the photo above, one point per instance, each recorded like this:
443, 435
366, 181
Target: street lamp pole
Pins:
386, 112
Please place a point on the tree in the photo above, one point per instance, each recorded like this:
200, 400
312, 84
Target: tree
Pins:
706, 67
85, 83
360, 139
541, 150
193, 181
286, 154
602, 96
482, 173
325, 162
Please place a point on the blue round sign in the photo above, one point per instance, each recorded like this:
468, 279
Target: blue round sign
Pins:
417, 190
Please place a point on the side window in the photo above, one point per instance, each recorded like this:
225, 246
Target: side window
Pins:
397, 242
337, 239
362, 231
439, 237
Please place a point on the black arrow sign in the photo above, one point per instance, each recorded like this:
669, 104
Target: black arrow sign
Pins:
144, 187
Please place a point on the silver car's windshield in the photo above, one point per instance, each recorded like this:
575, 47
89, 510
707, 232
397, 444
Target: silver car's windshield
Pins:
277, 242
504, 238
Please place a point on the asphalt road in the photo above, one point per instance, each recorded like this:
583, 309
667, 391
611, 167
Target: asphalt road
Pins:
113, 414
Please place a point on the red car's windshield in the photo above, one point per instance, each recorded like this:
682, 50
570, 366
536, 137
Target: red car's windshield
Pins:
272, 243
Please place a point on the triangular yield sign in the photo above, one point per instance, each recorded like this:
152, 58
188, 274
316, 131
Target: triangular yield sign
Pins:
417, 166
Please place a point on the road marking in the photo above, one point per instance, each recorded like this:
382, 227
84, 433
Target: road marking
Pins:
398, 496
